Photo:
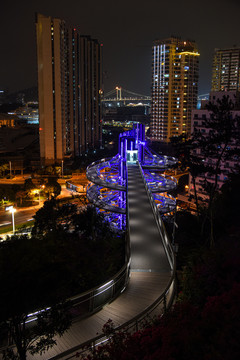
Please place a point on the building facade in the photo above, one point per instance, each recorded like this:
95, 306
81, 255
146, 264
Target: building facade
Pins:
69, 90
175, 65
226, 70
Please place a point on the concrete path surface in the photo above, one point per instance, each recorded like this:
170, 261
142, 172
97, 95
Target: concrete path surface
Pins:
150, 274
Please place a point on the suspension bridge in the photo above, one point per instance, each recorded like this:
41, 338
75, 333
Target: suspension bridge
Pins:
123, 96
120, 96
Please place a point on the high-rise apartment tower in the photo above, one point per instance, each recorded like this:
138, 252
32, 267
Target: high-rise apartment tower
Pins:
226, 70
69, 90
175, 64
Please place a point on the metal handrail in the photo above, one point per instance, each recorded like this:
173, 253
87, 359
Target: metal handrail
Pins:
132, 325
96, 176
94, 197
161, 227
165, 299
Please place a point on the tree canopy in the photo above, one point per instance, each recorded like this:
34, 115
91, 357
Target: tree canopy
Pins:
63, 257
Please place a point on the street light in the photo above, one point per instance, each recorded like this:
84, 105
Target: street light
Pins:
13, 223
12, 210
41, 187
62, 168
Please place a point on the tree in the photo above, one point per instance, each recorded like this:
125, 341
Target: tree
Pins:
52, 188
26, 192
65, 263
21, 195
27, 274
226, 205
184, 149
53, 170
38, 337
91, 223
3, 168
53, 218
28, 185
210, 272
58, 170
8, 192
185, 332
218, 144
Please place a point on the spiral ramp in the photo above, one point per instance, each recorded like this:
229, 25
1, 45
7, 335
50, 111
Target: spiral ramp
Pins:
135, 202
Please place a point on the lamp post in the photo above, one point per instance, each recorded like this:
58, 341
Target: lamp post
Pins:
62, 168
12, 210
13, 223
41, 187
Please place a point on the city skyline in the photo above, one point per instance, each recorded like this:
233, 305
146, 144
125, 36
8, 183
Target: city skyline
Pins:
127, 31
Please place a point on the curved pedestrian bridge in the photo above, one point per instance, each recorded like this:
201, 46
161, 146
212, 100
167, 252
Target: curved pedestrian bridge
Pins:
152, 271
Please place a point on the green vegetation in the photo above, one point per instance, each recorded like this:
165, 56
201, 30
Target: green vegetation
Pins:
63, 257
205, 153
18, 228
29, 193
187, 332
204, 322
4, 168
8, 193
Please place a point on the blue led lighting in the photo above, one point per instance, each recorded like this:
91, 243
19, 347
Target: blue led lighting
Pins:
109, 177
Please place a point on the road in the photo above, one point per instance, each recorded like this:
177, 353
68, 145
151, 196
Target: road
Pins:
22, 215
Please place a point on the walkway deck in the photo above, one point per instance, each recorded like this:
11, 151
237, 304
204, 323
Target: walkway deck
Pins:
150, 274
148, 253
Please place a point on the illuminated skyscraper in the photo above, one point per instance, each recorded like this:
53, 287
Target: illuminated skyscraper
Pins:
69, 90
174, 87
226, 70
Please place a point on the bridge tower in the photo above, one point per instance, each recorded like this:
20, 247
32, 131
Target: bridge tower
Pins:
118, 92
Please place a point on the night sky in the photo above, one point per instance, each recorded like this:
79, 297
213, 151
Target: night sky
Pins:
126, 28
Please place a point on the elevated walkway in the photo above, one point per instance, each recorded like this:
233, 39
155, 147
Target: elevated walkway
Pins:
150, 275
147, 251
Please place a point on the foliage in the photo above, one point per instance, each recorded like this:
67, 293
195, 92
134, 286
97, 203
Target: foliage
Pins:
206, 152
226, 205
182, 182
63, 262
200, 334
39, 336
185, 151
50, 170
210, 272
65, 256
52, 188
187, 236
28, 185
3, 168
218, 144
22, 195
88, 239
53, 218
204, 325
90, 223
8, 192
29, 274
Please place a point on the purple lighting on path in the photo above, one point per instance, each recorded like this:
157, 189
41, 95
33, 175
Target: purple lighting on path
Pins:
110, 175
